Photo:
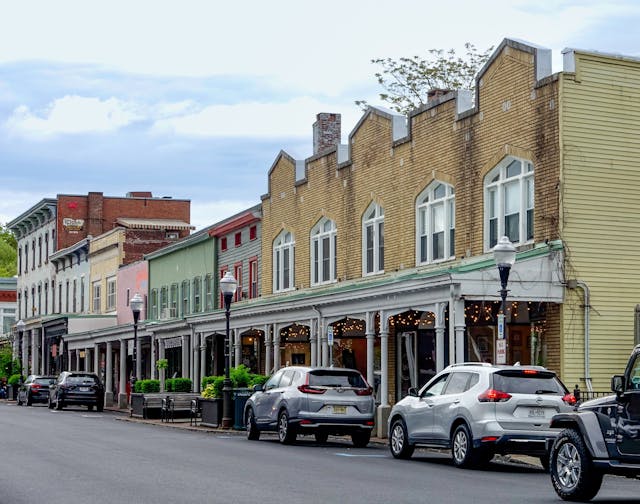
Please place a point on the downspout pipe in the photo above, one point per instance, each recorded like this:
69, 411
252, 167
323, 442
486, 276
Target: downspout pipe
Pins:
572, 284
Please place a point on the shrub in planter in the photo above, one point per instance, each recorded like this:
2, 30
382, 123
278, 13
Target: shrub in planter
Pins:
147, 386
178, 385
240, 376
207, 380
257, 379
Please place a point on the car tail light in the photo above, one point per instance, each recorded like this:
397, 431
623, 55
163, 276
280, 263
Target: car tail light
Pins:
530, 371
35, 387
489, 439
364, 391
493, 395
570, 399
308, 389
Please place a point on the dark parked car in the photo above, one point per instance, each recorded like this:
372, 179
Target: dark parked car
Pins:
76, 388
320, 401
601, 437
35, 390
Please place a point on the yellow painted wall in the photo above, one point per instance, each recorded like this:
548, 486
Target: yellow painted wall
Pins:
600, 139
106, 254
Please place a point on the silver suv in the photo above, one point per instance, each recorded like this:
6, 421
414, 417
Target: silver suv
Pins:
478, 410
319, 401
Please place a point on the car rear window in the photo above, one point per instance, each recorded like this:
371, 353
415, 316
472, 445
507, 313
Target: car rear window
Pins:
78, 380
327, 378
528, 382
43, 381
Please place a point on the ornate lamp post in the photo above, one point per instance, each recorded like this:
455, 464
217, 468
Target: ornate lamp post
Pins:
228, 286
504, 254
135, 303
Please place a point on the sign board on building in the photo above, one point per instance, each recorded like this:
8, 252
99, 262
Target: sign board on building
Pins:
330, 335
501, 351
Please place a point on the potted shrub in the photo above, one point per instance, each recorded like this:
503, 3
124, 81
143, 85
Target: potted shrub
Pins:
14, 385
211, 401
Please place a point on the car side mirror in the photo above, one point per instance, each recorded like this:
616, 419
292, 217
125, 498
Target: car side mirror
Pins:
617, 384
413, 392
258, 387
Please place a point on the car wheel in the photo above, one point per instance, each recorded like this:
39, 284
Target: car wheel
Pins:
90, 407
253, 434
462, 449
360, 439
286, 431
399, 442
573, 475
321, 437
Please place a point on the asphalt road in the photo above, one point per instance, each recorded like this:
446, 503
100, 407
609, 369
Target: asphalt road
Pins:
76, 456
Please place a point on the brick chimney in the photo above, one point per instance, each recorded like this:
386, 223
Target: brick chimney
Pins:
95, 213
433, 94
326, 132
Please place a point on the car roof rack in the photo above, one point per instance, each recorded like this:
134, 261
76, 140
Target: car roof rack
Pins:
461, 364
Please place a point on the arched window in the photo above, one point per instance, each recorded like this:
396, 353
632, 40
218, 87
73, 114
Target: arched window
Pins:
283, 262
435, 223
323, 252
509, 202
373, 240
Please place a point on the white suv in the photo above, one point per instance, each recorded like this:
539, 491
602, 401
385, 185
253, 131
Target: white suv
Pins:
478, 410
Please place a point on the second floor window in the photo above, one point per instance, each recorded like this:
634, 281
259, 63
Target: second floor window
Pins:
253, 278
323, 252
208, 292
164, 303
373, 240
154, 304
435, 216
237, 272
197, 295
509, 202
185, 298
173, 301
111, 294
283, 262
95, 293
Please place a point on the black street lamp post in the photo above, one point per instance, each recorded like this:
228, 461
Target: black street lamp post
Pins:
136, 306
504, 254
20, 325
228, 285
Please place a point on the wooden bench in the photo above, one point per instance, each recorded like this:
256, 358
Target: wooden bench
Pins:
176, 404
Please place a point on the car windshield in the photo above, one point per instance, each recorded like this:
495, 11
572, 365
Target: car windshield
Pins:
81, 380
336, 379
528, 382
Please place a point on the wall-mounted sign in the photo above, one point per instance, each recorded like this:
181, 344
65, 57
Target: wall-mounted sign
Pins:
72, 225
501, 351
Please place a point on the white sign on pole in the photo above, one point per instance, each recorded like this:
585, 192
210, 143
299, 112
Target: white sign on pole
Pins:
501, 326
330, 335
501, 351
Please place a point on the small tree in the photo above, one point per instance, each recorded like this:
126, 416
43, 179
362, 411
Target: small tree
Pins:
408, 80
161, 366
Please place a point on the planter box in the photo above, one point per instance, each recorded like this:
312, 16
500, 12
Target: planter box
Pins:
211, 412
146, 405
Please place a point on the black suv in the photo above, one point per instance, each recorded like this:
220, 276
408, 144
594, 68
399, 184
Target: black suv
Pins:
601, 437
76, 388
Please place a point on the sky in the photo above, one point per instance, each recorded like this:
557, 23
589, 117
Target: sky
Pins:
195, 99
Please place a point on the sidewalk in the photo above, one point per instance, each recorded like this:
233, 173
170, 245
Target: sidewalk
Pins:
184, 424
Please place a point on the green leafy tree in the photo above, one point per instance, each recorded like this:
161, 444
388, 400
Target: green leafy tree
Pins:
407, 81
8, 253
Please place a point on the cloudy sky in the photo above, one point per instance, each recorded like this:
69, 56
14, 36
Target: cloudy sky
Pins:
195, 99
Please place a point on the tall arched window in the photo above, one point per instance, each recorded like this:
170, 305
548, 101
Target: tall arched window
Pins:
283, 262
436, 223
509, 202
323, 252
373, 240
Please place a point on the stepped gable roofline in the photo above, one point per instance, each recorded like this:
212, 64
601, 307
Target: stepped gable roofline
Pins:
160, 224
281, 155
42, 211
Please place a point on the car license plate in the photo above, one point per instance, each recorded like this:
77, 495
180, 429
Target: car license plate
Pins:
339, 410
84, 389
536, 412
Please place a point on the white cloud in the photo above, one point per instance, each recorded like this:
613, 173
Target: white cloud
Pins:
73, 114
289, 119
204, 214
